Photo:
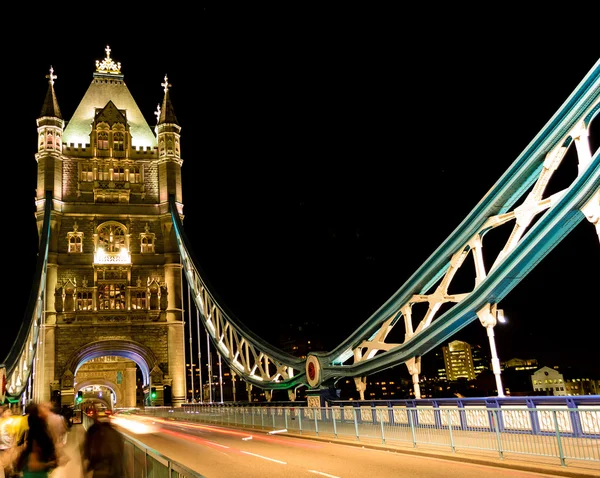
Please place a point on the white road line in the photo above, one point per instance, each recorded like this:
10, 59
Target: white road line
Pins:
217, 444
277, 431
264, 457
247, 438
323, 474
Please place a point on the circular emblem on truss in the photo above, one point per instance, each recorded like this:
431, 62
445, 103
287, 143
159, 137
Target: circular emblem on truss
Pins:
313, 371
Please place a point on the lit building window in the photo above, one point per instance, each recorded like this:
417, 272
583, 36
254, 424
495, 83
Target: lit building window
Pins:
147, 241
103, 140
118, 141
75, 240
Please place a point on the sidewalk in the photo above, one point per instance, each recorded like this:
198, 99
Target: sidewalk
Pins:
73, 469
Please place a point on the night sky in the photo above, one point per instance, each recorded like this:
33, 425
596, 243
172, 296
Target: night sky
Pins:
326, 155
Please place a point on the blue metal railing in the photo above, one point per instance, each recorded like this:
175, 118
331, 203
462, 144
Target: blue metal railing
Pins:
564, 430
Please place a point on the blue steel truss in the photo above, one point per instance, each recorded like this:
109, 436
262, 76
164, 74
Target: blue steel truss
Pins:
540, 223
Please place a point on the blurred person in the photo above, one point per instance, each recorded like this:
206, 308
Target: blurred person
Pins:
57, 427
11, 442
39, 457
103, 450
7, 441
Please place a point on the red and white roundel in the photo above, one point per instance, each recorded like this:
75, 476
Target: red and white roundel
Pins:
2, 384
313, 371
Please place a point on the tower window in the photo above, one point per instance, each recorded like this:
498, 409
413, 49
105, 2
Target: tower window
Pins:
119, 173
134, 174
111, 296
75, 240
147, 241
118, 141
103, 140
87, 173
84, 300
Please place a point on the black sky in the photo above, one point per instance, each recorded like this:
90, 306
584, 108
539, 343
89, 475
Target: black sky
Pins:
326, 153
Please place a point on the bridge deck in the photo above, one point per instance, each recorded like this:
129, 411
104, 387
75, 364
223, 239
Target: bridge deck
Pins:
73, 469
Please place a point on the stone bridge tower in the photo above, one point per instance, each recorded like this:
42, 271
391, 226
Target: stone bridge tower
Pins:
114, 277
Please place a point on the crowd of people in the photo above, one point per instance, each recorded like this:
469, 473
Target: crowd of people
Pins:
33, 445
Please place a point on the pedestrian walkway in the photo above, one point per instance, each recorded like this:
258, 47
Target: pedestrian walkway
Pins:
73, 468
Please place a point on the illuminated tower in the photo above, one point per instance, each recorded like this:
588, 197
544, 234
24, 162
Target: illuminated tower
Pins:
114, 274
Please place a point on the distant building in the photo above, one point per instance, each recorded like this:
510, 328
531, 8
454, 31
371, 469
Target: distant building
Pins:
547, 381
481, 360
582, 386
520, 364
458, 361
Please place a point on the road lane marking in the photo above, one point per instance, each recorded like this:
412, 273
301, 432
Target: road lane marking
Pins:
277, 431
322, 474
264, 457
217, 444
247, 438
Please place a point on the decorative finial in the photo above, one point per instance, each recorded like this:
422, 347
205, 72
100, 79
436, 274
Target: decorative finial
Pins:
157, 113
166, 84
147, 228
108, 65
51, 77
75, 226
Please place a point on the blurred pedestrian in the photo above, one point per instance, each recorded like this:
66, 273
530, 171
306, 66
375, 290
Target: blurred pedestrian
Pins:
11, 441
39, 457
7, 441
103, 450
57, 427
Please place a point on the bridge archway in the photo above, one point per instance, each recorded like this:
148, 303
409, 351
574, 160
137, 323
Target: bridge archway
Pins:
114, 388
121, 378
139, 353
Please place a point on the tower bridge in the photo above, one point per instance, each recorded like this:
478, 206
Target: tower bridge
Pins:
114, 254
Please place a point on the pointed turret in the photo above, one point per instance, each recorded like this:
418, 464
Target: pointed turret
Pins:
50, 107
167, 112
50, 127
169, 151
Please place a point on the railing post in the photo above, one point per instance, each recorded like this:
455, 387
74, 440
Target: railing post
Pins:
316, 424
285, 416
273, 415
380, 414
558, 440
496, 426
449, 418
300, 420
334, 424
355, 423
412, 427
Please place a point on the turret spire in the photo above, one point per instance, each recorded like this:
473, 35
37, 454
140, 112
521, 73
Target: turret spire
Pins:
167, 113
50, 107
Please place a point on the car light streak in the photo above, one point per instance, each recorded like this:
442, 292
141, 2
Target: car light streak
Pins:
264, 457
290, 441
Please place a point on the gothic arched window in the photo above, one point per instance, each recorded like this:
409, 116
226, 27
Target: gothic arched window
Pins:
103, 140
